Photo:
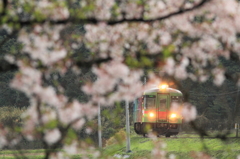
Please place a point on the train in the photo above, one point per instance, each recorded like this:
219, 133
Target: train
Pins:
152, 112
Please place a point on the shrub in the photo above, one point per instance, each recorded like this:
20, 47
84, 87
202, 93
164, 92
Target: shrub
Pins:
11, 116
118, 138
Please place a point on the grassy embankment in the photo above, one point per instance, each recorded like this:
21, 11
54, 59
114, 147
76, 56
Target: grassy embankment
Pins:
181, 148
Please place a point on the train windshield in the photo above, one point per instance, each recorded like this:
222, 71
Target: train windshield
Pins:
150, 102
163, 105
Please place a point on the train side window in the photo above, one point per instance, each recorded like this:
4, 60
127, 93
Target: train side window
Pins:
163, 104
150, 103
176, 99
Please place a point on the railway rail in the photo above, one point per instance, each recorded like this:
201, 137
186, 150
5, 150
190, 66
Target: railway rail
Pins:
184, 137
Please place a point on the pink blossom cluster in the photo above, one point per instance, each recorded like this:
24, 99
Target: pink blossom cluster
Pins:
103, 9
128, 6
3, 136
111, 75
46, 9
155, 8
110, 41
43, 44
47, 106
159, 150
214, 36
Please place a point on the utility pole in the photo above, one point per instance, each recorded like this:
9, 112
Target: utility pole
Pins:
236, 109
99, 127
127, 127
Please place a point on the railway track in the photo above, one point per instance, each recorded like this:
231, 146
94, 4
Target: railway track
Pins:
183, 137
198, 137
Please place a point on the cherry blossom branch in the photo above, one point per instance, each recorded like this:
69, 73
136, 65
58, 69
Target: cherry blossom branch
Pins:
89, 21
158, 58
92, 20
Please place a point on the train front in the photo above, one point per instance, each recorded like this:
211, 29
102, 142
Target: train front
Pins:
153, 112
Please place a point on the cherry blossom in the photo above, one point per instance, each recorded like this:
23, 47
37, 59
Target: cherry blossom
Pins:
129, 86
219, 76
52, 136
189, 112
122, 38
103, 8
238, 156
47, 47
72, 148
159, 150
3, 139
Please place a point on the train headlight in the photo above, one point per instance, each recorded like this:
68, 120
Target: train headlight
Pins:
151, 114
163, 86
173, 115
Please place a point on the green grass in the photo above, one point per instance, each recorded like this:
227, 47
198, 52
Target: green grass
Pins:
28, 157
24, 151
30, 154
180, 147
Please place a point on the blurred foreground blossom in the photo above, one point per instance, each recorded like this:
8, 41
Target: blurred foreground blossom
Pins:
189, 112
71, 148
52, 136
3, 139
159, 150
238, 157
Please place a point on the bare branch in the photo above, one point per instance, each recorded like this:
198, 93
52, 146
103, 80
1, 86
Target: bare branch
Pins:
92, 62
5, 66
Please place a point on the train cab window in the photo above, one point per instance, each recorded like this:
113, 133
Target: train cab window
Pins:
150, 102
163, 105
176, 99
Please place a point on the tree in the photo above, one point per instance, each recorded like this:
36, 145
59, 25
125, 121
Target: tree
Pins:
124, 40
